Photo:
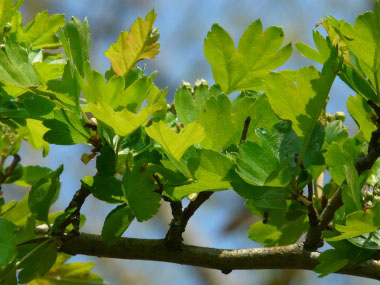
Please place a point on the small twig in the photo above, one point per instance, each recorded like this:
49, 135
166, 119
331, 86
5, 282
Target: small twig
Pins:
193, 206
15, 161
245, 129
77, 203
310, 191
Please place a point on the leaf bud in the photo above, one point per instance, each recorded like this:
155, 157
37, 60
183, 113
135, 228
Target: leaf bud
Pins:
341, 116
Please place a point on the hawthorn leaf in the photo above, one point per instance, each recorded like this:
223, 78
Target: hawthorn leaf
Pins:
258, 53
322, 53
215, 119
105, 188
117, 221
302, 103
7, 242
75, 273
358, 223
8, 8
18, 213
269, 163
331, 261
32, 174
40, 33
139, 187
40, 260
363, 115
123, 122
210, 170
137, 44
279, 229
175, 144
35, 132
38, 106
43, 194
67, 128
106, 161
76, 41
16, 70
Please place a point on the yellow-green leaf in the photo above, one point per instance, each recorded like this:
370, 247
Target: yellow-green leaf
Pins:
137, 44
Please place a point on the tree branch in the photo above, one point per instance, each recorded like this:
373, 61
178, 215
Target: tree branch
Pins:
314, 235
286, 257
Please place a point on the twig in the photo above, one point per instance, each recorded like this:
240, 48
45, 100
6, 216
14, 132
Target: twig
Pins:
74, 218
314, 238
15, 161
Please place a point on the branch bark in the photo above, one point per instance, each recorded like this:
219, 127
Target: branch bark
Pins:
286, 257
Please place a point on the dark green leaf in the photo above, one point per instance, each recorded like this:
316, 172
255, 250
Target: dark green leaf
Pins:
7, 242
105, 188
117, 221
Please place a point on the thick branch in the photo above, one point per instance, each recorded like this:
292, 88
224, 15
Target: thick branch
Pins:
287, 257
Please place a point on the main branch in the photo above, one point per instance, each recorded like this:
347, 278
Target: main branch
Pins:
286, 257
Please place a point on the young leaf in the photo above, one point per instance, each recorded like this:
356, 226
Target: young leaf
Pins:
42, 258
32, 174
123, 122
215, 118
43, 194
210, 170
358, 223
105, 188
117, 221
322, 44
7, 242
77, 42
258, 53
67, 128
40, 33
16, 70
363, 115
175, 144
140, 43
139, 189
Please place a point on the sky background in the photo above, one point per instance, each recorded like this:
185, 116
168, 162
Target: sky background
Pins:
183, 26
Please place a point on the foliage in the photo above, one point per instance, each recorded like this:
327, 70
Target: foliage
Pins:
262, 133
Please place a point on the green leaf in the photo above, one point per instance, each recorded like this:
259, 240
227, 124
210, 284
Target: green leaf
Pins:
43, 194
331, 261
32, 174
77, 41
139, 189
123, 122
7, 243
117, 221
106, 161
210, 170
363, 115
38, 106
175, 144
358, 223
367, 241
323, 47
8, 8
16, 70
18, 213
105, 188
258, 53
39, 262
269, 163
215, 118
66, 128
280, 227
140, 43
40, 33
75, 273
35, 132
302, 103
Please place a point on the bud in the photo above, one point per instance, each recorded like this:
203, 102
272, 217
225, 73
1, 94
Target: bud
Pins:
341, 116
